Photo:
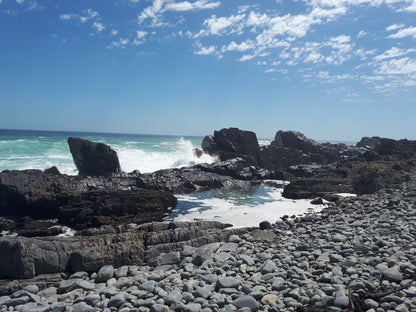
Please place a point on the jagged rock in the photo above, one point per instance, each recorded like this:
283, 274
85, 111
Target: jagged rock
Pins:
233, 142
52, 170
290, 148
384, 146
92, 249
296, 140
240, 168
80, 202
93, 158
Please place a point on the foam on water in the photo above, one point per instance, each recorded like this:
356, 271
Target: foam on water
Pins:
240, 208
178, 153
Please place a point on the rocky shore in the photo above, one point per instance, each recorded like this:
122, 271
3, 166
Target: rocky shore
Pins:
357, 255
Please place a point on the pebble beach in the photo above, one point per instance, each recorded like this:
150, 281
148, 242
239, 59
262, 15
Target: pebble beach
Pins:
356, 255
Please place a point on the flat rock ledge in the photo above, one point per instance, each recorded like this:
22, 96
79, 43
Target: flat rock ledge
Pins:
356, 255
90, 249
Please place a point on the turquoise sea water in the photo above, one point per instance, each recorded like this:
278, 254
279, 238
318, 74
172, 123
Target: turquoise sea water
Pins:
147, 153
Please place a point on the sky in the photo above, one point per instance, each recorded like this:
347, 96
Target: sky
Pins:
332, 69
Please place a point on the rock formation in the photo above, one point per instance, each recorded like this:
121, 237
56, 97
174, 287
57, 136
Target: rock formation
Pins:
91, 249
232, 142
93, 159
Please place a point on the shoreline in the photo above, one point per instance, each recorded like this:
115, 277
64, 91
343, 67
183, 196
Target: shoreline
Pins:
359, 251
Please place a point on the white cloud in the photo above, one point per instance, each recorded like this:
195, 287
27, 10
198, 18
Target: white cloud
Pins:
98, 26
20, 1
393, 52
221, 25
394, 27
114, 32
187, 6
401, 66
246, 57
154, 12
411, 7
151, 11
243, 46
141, 34
361, 34
206, 50
404, 32
314, 57
121, 43
65, 16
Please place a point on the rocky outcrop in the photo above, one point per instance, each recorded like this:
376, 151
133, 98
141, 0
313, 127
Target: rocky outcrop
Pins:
93, 159
388, 147
291, 148
233, 142
81, 202
296, 140
91, 249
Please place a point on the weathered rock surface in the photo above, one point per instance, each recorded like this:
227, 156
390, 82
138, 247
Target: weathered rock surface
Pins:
93, 158
81, 202
91, 249
232, 142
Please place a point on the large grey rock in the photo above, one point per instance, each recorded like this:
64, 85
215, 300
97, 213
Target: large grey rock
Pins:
105, 273
117, 301
93, 158
228, 282
246, 301
34, 307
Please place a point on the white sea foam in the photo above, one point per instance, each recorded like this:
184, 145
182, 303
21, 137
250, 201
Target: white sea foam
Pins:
264, 142
243, 213
178, 153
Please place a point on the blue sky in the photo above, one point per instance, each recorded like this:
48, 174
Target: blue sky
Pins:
331, 69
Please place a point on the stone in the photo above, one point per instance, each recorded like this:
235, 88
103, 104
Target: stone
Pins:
121, 271
93, 159
341, 299
269, 299
31, 288
34, 307
264, 225
371, 304
159, 308
246, 301
117, 301
148, 286
81, 307
192, 307
268, 267
228, 282
105, 273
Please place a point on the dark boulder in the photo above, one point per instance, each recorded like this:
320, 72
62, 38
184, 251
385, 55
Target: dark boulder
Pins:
296, 140
93, 159
388, 147
52, 170
291, 148
233, 142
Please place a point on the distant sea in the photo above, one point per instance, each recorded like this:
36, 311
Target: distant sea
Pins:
23, 149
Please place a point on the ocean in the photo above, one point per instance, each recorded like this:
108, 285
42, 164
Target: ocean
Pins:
23, 149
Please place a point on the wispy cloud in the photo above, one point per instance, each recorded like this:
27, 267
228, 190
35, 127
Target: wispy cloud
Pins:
404, 32
158, 7
393, 52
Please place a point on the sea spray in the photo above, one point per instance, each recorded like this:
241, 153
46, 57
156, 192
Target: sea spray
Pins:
146, 153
